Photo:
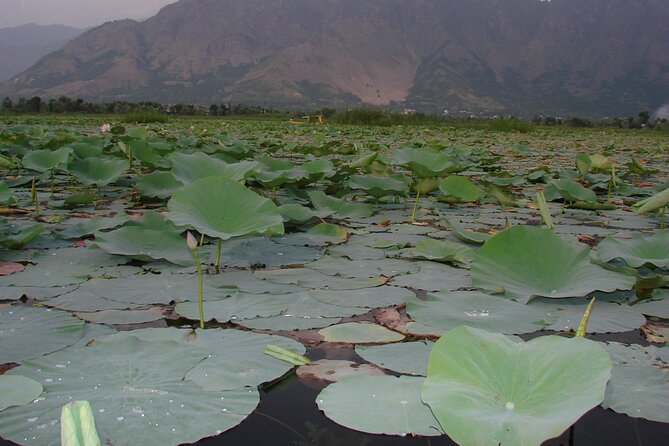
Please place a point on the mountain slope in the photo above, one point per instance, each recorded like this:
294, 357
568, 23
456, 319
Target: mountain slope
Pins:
518, 56
22, 46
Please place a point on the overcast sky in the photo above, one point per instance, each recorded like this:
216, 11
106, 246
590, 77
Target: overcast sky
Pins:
77, 13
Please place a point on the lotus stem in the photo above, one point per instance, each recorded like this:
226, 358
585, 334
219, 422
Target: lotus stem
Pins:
218, 255
199, 287
583, 325
415, 203
663, 211
201, 239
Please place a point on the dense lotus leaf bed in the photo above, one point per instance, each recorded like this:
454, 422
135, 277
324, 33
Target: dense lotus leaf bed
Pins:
333, 254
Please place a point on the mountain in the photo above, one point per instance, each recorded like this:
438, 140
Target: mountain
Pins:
22, 46
604, 57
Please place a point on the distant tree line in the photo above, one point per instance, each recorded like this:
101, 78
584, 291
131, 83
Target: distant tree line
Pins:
65, 104
640, 121
366, 116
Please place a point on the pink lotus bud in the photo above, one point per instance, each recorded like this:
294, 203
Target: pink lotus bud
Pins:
190, 241
105, 128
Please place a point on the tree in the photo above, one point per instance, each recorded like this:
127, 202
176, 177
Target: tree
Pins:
7, 104
34, 104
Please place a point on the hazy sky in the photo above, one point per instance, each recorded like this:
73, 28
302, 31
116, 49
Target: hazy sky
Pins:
78, 13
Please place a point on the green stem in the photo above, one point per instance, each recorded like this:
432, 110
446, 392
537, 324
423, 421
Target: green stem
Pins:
415, 203
218, 255
201, 239
664, 209
199, 287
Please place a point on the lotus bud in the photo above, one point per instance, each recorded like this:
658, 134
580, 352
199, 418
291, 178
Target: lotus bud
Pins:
190, 241
105, 128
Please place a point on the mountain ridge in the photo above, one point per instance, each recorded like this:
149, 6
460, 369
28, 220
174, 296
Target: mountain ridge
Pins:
512, 56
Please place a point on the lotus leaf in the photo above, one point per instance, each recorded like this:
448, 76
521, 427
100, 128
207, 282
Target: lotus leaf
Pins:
425, 163
235, 211
237, 307
28, 332
379, 405
639, 391
87, 226
409, 358
339, 207
77, 425
158, 184
606, 317
337, 266
442, 251
334, 370
17, 390
359, 333
435, 277
573, 191
524, 262
493, 313
639, 251
310, 279
459, 188
44, 160
98, 171
654, 203
122, 317
466, 235
235, 360
131, 384
378, 297
380, 186
486, 389
145, 244
6, 195
21, 237
296, 213
258, 252
189, 167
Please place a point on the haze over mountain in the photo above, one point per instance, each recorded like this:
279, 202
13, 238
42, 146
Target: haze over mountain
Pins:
22, 46
603, 57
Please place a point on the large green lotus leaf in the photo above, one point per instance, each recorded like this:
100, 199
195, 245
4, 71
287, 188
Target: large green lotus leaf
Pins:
224, 209
360, 333
86, 301
435, 277
17, 390
654, 203
486, 389
237, 307
311, 279
338, 266
425, 163
492, 313
43, 160
145, 244
606, 317
259, 252
460, 189
573, 191
158, 184
340, 208
379, 186
189, 167
639, 391
28, 332
379, 405
98, 171
409, 358
136, 389
20, 237
80, 227
442, 251
236, 357
525, 262
378, 297
638, 251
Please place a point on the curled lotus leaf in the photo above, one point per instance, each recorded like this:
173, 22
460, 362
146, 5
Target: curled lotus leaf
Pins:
525, 262
637, 251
